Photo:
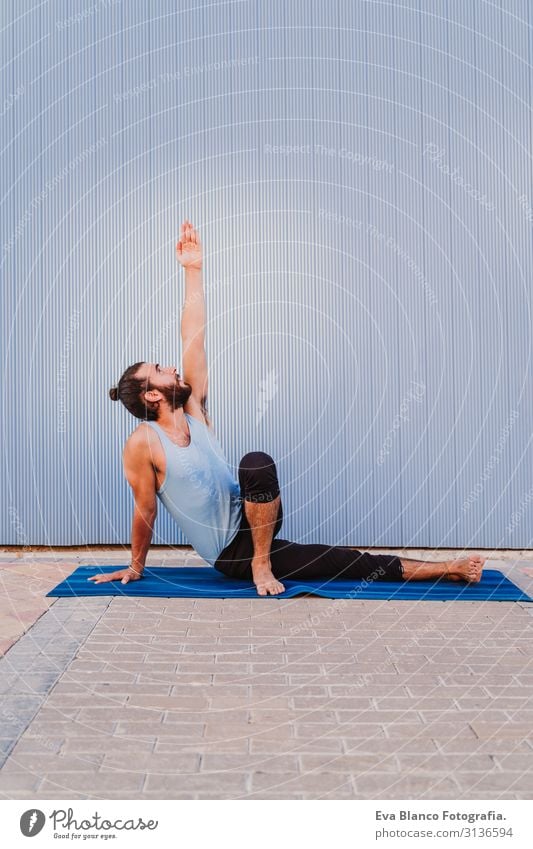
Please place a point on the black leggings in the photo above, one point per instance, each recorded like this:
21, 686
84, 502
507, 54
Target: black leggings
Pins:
259, 483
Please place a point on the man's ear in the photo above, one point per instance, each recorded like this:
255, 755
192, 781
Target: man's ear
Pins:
152, 395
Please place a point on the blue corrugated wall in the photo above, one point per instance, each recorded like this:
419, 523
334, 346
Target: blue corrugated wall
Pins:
361, 176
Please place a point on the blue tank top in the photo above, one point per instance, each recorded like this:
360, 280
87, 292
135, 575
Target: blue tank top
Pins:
199, 490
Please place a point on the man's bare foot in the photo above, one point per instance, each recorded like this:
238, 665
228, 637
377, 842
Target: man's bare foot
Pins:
467, 569
265, 582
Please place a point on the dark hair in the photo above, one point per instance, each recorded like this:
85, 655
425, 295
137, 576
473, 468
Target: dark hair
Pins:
128, 390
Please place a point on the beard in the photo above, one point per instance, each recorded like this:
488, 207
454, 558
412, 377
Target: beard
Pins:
178, 395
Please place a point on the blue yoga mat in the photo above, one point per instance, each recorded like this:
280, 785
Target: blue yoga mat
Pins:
206, 582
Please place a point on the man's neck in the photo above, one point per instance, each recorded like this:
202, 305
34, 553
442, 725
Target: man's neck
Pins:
173, 420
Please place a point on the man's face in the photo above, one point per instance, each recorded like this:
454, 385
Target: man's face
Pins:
165, 383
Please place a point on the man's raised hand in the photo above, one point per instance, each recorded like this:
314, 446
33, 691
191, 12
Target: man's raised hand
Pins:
189, 248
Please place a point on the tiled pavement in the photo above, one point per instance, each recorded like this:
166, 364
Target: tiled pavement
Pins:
23, 587
295, 698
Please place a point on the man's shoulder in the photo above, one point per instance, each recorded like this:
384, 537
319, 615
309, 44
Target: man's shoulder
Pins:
140, 460
139, 439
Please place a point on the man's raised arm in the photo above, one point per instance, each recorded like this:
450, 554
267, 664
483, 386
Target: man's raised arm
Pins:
193, 316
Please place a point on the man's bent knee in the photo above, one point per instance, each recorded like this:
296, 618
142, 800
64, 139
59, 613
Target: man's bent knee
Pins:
256, 460
258, 477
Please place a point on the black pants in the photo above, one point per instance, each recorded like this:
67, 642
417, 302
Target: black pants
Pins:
259, 483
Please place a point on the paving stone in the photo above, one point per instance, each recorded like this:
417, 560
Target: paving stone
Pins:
77, 667
21, 703
299, 744
70, 728
95, 785
154, 762
116, 658
510, 730
523, 678
171, 786
483, 703
137, 666
514, 761
523, 713
258, 690
321, 730
49, 713
6, 744
368, 690
27, 684
201, 745
433, 730
490, 746
108, 744
85, 699
484, 679
386, 786
309, 783
99, 679
289, 668
187, 730
250, 679
245, 763
39, 745
260, 716
463, 717
266, 795
218, 669
174, 702
283, 678
475, 785
389, 681
353, 764
125, 713
519, 692
23, 785
331, 702
373, 745
228, 703
226, 730
453, 764
427, 703
172, 678
379, 717
38, 764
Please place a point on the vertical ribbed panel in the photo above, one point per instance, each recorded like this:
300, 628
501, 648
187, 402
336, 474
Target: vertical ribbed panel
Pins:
361, 176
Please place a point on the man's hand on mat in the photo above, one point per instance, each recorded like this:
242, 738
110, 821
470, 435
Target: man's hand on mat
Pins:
264, 580
123, 575
189, 248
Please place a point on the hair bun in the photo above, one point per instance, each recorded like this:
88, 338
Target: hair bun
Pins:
113, 393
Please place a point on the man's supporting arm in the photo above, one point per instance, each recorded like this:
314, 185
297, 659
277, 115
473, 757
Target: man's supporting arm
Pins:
140, 474
144, 516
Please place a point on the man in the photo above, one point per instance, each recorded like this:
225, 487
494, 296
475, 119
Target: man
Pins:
175, 456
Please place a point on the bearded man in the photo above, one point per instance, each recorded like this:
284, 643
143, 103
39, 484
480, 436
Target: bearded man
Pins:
175, 457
